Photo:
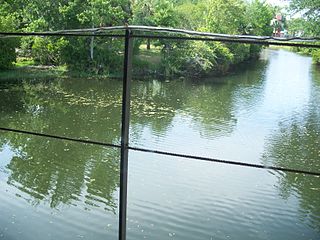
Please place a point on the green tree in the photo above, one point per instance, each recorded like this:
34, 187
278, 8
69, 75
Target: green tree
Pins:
143, 15
154, 13
80, 53
225, 16
298, 26
8, 23
229, 17
258, 15
310, 10
310, 22
190, 14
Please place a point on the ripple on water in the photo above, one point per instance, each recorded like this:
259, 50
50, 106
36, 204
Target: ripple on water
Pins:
51, 191
206, 200
70, 191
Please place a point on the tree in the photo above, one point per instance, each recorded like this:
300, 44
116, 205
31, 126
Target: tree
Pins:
310, 11
228, 17
8, 23
77, 52
190, 14
225, 16
142, 15
154, 13
258, 16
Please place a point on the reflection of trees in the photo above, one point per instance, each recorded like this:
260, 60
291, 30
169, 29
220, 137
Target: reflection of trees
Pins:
57, 171
213, 104
62, 172
78, 108
250, 84
211, 107
10, 100
154, 103
296, 145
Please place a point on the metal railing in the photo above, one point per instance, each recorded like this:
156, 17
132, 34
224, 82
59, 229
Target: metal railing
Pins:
131, 32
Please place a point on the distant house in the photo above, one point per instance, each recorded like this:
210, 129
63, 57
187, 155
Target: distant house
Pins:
279, 23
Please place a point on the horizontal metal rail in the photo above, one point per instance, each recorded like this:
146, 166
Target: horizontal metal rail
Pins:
175, 34
201, 158
153, 29
58, 34
85, 141
230, 40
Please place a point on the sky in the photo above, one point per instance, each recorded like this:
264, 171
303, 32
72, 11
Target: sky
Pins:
281, 3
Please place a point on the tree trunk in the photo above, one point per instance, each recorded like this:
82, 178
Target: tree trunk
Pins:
91, 48
148, 44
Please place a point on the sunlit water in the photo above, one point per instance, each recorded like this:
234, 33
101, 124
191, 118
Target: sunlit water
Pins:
268, 113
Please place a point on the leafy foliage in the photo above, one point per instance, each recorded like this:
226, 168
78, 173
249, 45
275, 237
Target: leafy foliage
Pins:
199, 58
91, 54
47, 51
98, 54
229, 17
309, 24
7, 49
310, 10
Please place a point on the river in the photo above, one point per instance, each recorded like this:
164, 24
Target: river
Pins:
267, 113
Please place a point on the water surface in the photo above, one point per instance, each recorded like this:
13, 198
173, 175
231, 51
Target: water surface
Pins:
267, 113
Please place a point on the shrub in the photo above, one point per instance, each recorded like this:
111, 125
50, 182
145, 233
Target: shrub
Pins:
316, 56
199, 58
47, 51
8, 45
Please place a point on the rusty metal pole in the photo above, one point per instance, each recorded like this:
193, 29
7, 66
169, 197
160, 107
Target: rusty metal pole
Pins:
127, 75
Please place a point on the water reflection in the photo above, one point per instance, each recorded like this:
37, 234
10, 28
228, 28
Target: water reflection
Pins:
60, 172
241, 117
217, 104
63, 173
78, 109
188, 116
11, 101
154, 105
55, 171
295, 144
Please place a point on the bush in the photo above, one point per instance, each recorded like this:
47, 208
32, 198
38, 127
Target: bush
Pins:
240, 52
47, 51
199, 58
316, 56
107, 55
8, 45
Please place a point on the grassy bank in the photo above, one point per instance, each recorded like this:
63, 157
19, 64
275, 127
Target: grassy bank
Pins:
145, 63
26, 68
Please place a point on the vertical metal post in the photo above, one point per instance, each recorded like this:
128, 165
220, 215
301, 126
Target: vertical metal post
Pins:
127, 75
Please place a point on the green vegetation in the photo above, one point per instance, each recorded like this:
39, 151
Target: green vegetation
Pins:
29, 71
308, 25
104, 55
7, 49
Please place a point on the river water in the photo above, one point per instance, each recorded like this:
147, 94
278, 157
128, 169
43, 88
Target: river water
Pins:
267, 113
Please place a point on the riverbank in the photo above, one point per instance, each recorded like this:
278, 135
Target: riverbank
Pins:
147, 63
26, 68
